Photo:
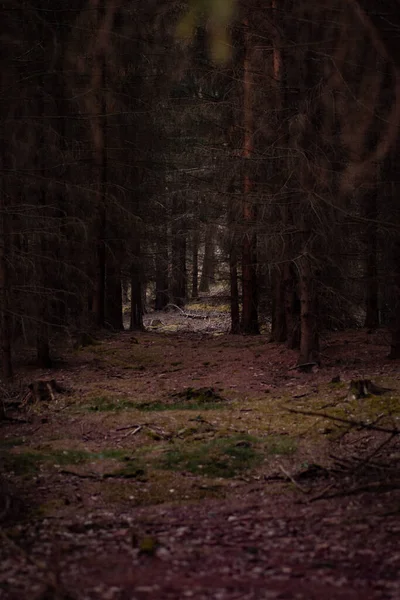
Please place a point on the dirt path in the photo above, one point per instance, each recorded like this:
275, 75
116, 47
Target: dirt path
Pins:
174, 469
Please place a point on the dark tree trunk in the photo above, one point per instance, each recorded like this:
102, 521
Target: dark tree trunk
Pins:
278, 327
395, 293
195, 264
114, 297
98, 304
233, 259
234, 291
136, 290
249, 323
393, 169
292, 307
99, 134
208, 270
309, 343
43, 249
5, 316
372, 285
125, 289
43, 347
178, 253
162, 295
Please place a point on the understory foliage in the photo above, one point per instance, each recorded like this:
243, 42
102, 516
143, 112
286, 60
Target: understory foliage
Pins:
151, 152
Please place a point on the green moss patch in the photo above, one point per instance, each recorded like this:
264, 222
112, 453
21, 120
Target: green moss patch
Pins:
280, 445
23, 463
223, 457
109, 403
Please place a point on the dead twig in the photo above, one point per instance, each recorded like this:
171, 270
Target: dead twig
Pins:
351, 422
292, 479
368, 488
132, 432
130, 427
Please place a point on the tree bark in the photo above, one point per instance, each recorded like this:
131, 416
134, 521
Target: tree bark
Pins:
162, 296
5, 317
292, 307
372, 284
249, 323
309, 343
97, 105
208, 270
278, 327
136, 290
113, 297
195, 263
178, 253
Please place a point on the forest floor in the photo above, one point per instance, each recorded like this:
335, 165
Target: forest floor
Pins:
177, 463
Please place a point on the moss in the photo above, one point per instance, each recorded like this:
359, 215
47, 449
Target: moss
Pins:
109, 403
280, 445
222, 457
23, 463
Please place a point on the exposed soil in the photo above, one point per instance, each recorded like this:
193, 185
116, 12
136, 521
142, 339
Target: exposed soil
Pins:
173, 466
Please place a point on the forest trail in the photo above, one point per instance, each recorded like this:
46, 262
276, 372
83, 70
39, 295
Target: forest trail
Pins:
173, 467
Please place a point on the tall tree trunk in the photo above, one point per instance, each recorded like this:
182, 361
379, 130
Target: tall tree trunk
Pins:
208, 270
292, 307
234, 291
309, 344
278, 327
195, 263
5, 317
232, 228
392, 168
162, 296
178, 252
97, 105
249, 322
136, 289
372, 285
43, 249
113, 296
395, 325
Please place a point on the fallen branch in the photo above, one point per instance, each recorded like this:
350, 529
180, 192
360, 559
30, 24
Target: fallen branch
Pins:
292, 479
186, 314
132, 432
351, 422
368, 488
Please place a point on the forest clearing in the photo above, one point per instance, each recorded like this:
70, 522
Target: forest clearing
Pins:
176, 464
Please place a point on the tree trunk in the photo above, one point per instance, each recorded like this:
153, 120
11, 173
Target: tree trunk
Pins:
309, 344
114, 297
372, 285
234, 291
278, 327
43, 346
249, 324
98, 304
195, 264
5, 316
125, 290
178, 253
136, 290
162, 297
292, 307
208, 270
393, 189
395, 293
97, 105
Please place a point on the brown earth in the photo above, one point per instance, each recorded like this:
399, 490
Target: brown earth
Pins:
228, 495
